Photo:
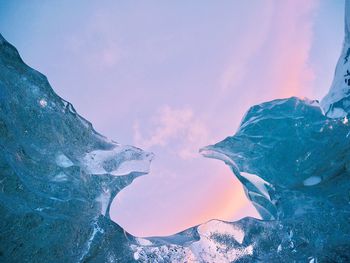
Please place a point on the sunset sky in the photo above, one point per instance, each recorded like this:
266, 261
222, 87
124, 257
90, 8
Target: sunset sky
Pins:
173, 76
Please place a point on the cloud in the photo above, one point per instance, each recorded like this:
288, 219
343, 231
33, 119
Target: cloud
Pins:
180, 127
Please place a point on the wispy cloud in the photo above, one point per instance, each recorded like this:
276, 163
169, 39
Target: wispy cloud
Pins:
180, 127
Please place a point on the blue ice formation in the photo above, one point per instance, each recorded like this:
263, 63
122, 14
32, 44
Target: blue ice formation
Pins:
293, 162
337, 102
58, 177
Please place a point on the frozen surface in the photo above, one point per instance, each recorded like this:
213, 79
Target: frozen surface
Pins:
120, 160
336, 103
58, 178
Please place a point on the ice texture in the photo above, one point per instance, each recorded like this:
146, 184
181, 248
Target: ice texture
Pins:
292, 158
58, 177
336, 103
293, 162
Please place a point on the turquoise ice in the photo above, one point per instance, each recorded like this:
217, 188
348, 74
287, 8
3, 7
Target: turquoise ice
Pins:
58, 177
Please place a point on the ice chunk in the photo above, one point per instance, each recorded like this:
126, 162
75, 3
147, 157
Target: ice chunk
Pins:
336, 103
277, 168
51, 199
118, 161
218, 241
223, 228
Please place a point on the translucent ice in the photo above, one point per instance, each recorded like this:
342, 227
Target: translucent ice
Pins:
337, 102
297, 176
58, 177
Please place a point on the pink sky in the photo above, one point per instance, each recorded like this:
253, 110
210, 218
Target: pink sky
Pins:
171, 77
